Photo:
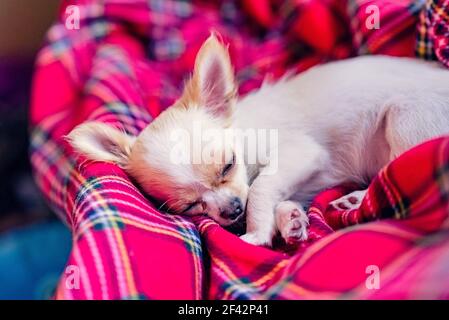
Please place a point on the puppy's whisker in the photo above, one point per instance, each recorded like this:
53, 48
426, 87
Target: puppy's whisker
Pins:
169, 208
162, 205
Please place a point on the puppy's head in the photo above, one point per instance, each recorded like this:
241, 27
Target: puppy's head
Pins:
187, 157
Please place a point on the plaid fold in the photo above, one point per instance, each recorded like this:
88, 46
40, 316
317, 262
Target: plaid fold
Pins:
433, 32
407, 239
128, 61
394, 34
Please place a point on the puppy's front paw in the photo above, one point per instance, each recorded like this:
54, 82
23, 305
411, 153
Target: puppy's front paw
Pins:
255, 239
350, 201
292, 222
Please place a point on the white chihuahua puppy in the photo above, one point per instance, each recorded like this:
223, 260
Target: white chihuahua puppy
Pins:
338, 122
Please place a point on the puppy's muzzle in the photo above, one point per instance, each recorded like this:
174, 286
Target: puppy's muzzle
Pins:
233, 210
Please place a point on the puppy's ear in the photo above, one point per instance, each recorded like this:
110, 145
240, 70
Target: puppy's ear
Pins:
213, 84
101, 142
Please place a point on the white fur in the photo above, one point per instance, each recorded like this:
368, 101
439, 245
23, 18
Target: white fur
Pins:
341, 122
337, 122
352, 200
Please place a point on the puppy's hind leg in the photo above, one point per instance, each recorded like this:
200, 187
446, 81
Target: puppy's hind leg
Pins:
352, 200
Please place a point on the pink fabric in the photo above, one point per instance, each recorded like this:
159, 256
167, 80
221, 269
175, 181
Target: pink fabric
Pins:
128, 62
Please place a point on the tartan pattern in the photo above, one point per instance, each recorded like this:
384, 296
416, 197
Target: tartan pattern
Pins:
412, 253
397, 23
433, 32
128, 62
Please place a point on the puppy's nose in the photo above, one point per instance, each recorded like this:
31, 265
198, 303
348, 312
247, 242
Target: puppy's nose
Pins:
237, 205
235, 209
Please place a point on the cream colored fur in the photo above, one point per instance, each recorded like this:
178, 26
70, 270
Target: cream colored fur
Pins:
337, 122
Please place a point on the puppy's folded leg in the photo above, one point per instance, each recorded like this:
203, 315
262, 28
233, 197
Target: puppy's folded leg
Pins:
260, 221
269, 189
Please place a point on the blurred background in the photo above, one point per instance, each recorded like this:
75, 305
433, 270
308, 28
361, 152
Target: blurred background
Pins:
34, 245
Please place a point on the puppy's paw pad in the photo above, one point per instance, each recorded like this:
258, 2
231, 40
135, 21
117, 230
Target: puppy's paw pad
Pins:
350, 201
292, 222
295, 231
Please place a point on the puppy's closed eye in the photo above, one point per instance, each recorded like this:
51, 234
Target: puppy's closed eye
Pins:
196, 207
228, 166
190, 206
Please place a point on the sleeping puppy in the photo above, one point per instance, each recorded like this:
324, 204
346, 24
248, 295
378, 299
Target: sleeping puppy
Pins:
338, 122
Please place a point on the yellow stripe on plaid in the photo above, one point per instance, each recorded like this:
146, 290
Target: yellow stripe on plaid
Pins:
123, 253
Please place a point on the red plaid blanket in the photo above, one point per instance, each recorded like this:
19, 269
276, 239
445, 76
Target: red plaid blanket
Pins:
127, 61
